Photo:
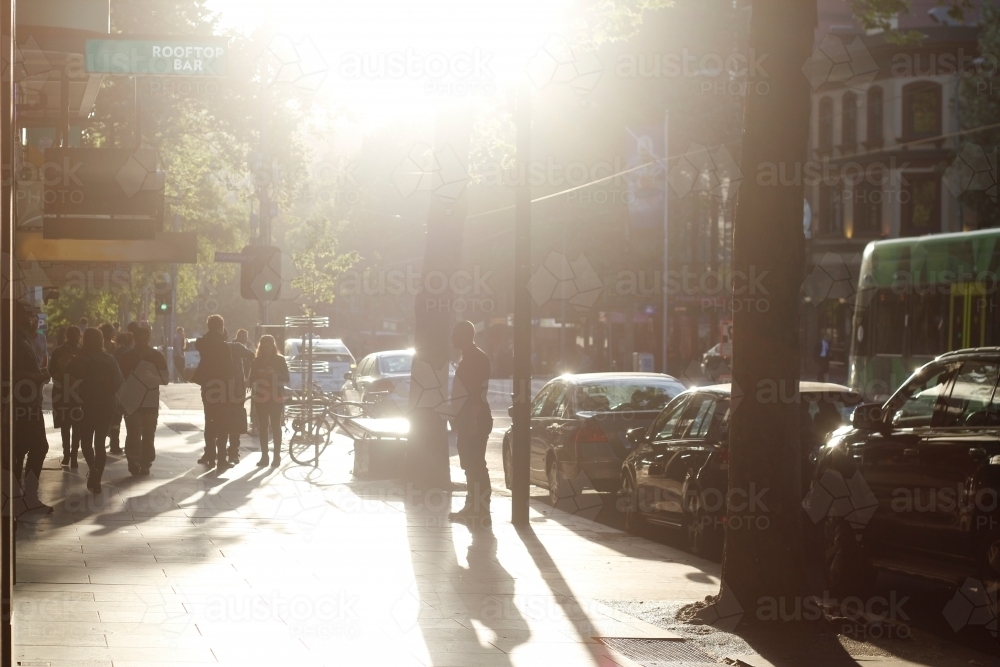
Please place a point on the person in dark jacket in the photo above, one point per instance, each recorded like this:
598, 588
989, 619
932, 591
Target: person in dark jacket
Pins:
30, 444
124, 342
145, 370
216, 375
242, 356
99, 378
472, 424
64, 398
268, 375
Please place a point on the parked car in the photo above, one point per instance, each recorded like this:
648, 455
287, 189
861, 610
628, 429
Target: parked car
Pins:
677, 474
578, 425
331, 362
929, 466
716, 366
384, 373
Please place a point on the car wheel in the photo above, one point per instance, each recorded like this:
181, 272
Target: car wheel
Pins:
704, 537
556, 482
846, 566
990, 568
629, 499
508, 465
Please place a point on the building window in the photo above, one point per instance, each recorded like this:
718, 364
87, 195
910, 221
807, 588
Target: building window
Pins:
867, 210
849, 122
831, 211
921, 110
921, 205
826, 125
874, 117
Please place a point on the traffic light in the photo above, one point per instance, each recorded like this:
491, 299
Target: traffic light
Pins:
164, 300
260, 277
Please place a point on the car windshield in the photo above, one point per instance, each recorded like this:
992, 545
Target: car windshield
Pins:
624, 395
396, 363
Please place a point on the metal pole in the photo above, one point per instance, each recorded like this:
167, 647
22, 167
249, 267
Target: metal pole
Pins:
666, 238
520, 433
264, 195
8, 146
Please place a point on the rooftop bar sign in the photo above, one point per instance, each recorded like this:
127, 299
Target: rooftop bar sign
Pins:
158, 56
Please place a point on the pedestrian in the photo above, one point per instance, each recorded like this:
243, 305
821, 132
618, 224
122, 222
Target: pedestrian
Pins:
65, 396
83, 325
99, 379
823, 358
179, 346
242, 356
268, 375
472, 423
108, 332
145, 370
118, 328
30, 445
124, 342
215, 375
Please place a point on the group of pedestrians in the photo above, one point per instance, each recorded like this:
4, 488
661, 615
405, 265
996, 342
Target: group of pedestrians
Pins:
104, 376
226, 371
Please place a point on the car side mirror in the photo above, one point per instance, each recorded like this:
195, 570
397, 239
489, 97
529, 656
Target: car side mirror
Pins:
868, 417
637, 435
348, 375
510, 411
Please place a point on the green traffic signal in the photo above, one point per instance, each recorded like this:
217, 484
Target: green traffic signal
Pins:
268, 287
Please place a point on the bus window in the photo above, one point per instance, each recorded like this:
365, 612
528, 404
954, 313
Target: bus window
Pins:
890, 322
929, 324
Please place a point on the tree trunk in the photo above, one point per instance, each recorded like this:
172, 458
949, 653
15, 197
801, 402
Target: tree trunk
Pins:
427, 457
764, 552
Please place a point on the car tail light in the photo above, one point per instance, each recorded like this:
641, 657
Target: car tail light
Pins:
590, 432
722, 457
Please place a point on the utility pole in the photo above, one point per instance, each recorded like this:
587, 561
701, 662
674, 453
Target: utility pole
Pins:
520, 430
666, 239
264, 182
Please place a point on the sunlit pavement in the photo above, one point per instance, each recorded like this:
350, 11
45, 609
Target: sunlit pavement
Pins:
303, 566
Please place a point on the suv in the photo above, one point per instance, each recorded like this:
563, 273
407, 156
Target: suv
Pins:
911, 486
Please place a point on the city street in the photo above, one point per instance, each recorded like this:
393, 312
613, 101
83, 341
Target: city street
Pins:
308, 566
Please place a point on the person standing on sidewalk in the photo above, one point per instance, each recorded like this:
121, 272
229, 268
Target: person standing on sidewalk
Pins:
472, 424
145, 370
30, 445
99, 380
39, 343
178, 347
124, 342
242, 356
268, 375
215, 374
63, 395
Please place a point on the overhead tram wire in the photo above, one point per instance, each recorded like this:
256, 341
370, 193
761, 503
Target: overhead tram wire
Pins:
905, 144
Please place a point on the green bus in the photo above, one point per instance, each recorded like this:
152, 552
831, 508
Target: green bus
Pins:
918, 298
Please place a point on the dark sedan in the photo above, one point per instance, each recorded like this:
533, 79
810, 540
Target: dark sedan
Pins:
923, 471
678, 472
578, 425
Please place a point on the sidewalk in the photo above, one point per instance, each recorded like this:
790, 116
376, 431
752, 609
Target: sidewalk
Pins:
301, 566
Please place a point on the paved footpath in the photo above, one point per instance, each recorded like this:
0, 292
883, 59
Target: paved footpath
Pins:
304, 566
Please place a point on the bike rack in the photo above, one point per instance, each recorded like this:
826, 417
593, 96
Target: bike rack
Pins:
307, 414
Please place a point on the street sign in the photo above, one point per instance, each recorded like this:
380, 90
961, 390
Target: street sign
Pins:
177, 56
233, 257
